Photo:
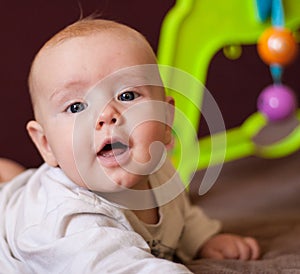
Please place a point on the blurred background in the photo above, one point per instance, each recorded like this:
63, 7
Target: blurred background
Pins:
26, 25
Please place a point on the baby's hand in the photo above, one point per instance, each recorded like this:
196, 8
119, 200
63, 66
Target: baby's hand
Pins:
229, 246
9, 169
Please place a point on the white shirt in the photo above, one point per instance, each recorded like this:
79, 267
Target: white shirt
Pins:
49, 224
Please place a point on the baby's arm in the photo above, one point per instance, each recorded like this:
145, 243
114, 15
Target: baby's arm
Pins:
9, 169
230, 246
93, 244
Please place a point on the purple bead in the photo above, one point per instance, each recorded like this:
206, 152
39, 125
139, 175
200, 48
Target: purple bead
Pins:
277, 102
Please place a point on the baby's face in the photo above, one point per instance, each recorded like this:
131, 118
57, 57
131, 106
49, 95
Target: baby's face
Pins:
99, 115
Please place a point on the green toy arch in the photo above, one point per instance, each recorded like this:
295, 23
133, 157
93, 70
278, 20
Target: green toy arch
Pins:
192, 33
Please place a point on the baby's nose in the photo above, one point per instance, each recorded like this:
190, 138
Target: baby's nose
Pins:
106, 121
110, 116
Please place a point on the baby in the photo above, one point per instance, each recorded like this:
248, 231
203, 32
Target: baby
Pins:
9, 169
106, 200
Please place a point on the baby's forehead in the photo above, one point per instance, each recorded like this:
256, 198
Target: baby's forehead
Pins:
73, 46
83, 41
107, 40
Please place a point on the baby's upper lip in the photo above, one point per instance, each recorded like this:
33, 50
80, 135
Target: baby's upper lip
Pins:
111, 143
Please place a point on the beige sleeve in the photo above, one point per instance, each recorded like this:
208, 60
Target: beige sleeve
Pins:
198, 229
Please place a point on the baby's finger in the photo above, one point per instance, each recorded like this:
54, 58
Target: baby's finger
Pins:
244, 250
255, 250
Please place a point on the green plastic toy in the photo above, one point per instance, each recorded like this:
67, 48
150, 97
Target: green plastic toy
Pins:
193, 31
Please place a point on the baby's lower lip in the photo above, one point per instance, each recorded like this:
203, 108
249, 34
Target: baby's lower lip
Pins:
113, 158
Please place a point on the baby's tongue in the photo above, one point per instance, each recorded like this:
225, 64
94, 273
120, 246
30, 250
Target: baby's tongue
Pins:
113, 152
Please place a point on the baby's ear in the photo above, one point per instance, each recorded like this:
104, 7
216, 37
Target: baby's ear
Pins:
169, 123
36, 132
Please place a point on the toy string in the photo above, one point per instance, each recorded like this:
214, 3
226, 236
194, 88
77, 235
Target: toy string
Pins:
277, 20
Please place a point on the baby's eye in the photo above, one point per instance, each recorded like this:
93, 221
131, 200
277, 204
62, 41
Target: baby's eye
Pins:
128, 96
77, 107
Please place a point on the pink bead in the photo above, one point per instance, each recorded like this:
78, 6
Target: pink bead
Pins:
277, 102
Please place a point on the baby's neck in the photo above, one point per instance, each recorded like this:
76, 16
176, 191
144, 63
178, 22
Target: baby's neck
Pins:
148, 216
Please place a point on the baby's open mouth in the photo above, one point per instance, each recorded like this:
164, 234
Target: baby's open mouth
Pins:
113, 149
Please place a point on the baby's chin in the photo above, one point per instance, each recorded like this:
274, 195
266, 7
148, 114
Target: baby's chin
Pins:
111, 182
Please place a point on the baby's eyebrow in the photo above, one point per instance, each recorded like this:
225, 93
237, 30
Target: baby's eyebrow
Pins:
137, 79
72, 88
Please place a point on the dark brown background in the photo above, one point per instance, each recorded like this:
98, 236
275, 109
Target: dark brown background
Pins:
26, 25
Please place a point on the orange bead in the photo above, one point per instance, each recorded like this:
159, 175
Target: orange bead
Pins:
277, 46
